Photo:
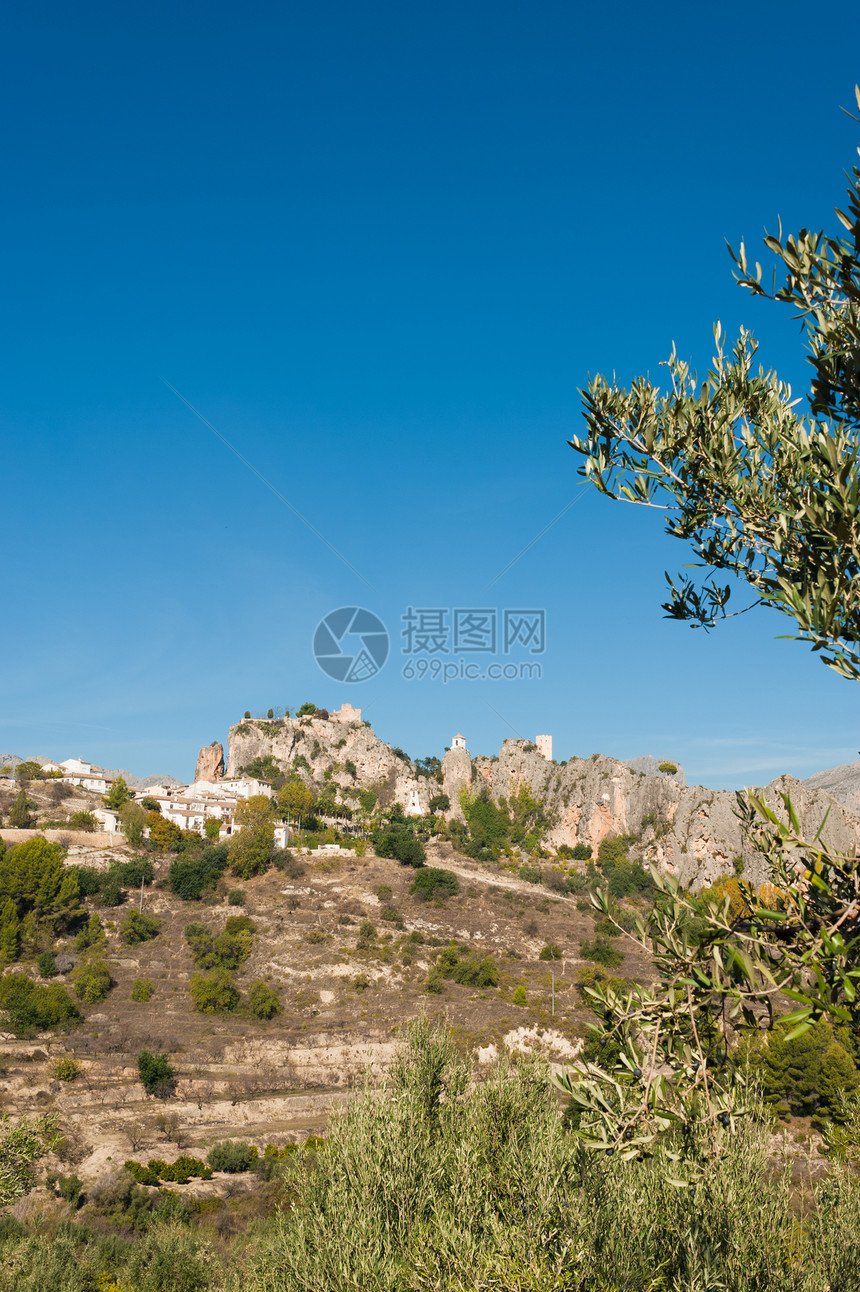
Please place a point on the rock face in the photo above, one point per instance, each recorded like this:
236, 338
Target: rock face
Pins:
344, 754
842, 783
651, 767
691, 832
210, 763
456, 774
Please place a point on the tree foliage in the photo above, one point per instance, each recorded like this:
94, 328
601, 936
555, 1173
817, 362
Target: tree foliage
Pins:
759, 490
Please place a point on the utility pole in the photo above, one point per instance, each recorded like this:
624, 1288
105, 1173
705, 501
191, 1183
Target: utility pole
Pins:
140, 908
553, 988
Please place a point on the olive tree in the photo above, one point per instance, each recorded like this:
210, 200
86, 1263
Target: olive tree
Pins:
759, 489
772, 496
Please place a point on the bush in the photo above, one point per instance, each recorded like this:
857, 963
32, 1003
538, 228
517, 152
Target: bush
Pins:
91, 935
190, 876
384, 892
142, 990
434, 884
65, 1068
470, 970
552, 951
156, 1074
390, 914
439, 803
668, 768
34, 1007
520, 997
239, 924
366, 936
398, 841
46, 964
83, 821
214, 993
141, 1174
137, 927
181, 1171
263, 1002
601, 952
236, 897
92, 980
232, 1156
531, 874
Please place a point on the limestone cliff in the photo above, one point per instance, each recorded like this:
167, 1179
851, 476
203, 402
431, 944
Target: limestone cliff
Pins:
330, 750
690, 831
210, 763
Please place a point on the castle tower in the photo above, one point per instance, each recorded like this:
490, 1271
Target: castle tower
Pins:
544, 746
459, 742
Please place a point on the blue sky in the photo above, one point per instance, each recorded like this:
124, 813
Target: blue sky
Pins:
380, 247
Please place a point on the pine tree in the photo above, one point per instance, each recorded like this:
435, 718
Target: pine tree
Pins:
19, 816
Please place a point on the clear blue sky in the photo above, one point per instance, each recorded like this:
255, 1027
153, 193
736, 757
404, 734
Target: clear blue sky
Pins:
379, 247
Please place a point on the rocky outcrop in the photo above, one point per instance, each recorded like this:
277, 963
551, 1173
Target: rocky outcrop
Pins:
692, 832
842, 783
651, 766
346, 755
456, 775
210, 763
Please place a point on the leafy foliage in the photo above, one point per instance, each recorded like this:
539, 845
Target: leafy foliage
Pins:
139, 927
263, 1001
232, 1156
189, 876
759, 490
35, 1007
214, 992
398, 840
433, 883
156, 1074
92, 979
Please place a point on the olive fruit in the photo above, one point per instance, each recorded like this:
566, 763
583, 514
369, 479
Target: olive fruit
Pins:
637, 1072
628, 1134
724, 1119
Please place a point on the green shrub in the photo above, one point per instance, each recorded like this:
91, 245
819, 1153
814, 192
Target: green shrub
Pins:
552, 951
236, 897
531, 874
669, 768
68, 1187
520, 997
470, 970
65, 1068
398, 840
181, 1171
221, 950
214, 992
83, 821
601, 952
91, 935
366, 936
239, 924
142, 989
263, 1002
138, 927
142, 1174
35, 1007
232, 1156
191, 875
390, 914
92, 980
384, 892
156, 1074
46, 964
431, 884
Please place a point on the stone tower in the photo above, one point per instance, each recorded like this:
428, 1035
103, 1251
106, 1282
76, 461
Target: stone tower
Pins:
456, 773
544, 746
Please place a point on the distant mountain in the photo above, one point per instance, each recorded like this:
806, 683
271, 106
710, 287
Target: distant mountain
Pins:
133, 782
842, 782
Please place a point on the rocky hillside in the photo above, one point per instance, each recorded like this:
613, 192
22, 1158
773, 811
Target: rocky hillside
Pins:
692, 831
841, 783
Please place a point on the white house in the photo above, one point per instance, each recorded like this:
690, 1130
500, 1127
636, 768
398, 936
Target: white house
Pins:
75, 766
95, 779
108, 821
